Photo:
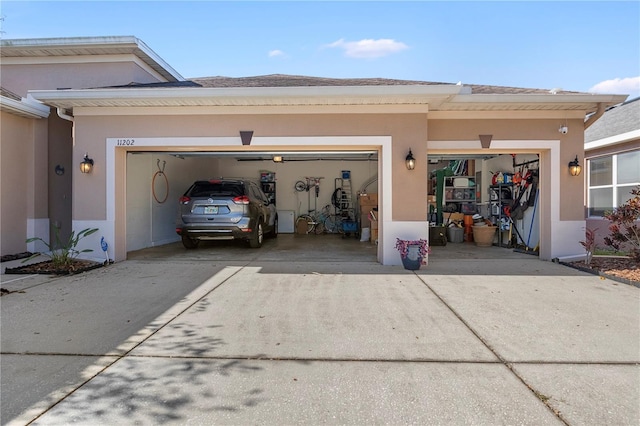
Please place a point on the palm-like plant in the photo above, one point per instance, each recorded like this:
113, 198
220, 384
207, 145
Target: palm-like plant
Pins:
62, 253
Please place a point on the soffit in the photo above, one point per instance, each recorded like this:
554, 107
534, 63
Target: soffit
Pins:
437, 98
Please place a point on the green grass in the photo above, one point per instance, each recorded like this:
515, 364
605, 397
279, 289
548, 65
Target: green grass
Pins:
609, 252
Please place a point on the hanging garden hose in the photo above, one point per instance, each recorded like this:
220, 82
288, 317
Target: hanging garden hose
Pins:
160, 172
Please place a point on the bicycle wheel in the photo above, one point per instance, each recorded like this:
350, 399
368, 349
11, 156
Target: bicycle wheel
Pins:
330, 224
319, 227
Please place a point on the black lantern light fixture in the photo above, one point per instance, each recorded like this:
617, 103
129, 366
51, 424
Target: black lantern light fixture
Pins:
87, 164
574, 167
410, 161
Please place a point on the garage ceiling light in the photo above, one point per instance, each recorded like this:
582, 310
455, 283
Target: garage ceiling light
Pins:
277, 159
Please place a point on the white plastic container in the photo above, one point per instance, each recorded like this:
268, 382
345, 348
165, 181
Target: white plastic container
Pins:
461, 183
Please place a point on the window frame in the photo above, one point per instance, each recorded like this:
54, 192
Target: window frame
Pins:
614, 186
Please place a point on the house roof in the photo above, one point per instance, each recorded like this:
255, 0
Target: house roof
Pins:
619, 124
87, 46
383, 95
616, 120
282, 80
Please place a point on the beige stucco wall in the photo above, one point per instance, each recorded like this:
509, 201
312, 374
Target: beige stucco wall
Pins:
23, 158
407, 131
22, 78
571, 144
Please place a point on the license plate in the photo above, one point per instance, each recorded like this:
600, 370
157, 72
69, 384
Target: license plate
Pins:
210, 209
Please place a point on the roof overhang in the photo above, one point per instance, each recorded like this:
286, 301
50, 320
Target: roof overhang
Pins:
435, 97
613, 140
25, 107
249, 96
87, 46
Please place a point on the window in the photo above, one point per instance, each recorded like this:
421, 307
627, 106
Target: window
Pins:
611, 180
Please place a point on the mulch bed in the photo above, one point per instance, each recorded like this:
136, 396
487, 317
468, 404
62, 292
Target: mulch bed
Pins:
622, 269
10, 257
46, 268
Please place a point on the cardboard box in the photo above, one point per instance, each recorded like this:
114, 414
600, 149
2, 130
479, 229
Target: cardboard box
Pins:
368, 199
301, 227
374, 225
454, 217
471, 167
374, 236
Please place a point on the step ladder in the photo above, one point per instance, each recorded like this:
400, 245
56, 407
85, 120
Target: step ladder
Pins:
345, 207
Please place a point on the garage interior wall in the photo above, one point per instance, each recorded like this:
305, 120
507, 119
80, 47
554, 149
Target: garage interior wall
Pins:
149, 222
287, 173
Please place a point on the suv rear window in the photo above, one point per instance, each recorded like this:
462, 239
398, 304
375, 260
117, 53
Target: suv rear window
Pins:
216, 189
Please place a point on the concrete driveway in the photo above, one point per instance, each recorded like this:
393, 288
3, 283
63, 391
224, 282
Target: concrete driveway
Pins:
227, 335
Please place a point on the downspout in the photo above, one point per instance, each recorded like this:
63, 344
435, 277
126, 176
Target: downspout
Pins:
62, 114
594, 117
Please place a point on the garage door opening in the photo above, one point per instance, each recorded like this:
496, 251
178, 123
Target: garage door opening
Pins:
497, 191
298, 183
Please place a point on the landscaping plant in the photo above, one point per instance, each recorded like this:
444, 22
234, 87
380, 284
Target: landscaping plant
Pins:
589, 244
61, 253
624, 228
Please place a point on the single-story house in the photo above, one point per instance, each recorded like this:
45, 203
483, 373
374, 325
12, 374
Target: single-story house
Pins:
116, 102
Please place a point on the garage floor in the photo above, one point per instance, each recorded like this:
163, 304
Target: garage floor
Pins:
316, 248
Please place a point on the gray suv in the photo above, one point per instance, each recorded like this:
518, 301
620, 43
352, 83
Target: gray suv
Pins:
225, 209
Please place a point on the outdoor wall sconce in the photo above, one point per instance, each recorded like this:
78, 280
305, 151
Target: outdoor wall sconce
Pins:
87, 164
410, 161
277, 158
574, 167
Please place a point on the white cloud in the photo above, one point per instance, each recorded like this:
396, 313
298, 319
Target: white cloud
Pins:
368, 48
275, 53
618, 86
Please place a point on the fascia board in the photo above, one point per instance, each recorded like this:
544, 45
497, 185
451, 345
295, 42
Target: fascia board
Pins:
540, 98
613, 140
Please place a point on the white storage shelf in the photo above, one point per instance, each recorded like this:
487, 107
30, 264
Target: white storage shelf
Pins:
455, 192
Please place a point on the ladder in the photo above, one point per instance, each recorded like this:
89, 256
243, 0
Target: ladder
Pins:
345, 207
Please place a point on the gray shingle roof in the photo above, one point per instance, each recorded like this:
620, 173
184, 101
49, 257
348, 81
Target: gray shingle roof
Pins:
616, 120
282, 80
9, 94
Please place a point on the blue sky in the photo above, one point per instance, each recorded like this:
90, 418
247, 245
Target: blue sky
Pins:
581, 46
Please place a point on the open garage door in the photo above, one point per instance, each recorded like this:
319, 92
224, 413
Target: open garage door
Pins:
298, 183
495, 190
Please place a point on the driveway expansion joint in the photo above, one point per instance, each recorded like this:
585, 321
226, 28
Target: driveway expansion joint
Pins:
506, 363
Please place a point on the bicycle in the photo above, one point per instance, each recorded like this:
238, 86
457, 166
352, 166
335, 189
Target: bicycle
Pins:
319, 222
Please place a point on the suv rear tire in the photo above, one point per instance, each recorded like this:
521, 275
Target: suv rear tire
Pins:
274, 231
257, 236
189, 243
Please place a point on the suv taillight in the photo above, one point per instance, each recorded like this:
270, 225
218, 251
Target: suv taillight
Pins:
184, 199
241, 199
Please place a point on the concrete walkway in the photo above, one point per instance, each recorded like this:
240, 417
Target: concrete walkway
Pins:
228, 335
